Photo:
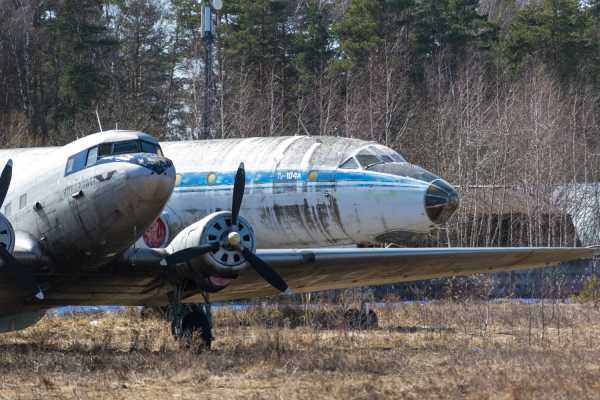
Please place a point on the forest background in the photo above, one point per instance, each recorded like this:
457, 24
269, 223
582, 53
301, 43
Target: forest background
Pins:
491, 93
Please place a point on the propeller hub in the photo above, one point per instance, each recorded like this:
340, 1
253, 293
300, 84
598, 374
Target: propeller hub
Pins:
234, 239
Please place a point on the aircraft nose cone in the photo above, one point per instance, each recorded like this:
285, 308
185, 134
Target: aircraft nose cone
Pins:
441, 201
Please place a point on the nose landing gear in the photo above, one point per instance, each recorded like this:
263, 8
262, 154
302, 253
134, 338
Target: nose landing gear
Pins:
191, 324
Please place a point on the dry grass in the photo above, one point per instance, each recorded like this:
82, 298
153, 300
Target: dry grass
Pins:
447, 350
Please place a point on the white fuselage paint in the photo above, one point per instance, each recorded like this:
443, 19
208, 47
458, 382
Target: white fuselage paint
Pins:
286, 207
283, 203
83, 219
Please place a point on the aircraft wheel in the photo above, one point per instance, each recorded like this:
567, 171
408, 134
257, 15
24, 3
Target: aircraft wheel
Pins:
362, 319
158, 312
371, 320
196, 332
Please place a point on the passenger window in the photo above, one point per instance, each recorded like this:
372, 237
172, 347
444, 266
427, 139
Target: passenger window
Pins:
126, 147
7, 209
349, 164
76, 162
92, 157
23, 201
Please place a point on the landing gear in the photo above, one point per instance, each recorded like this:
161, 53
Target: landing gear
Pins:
365, 318
191, 324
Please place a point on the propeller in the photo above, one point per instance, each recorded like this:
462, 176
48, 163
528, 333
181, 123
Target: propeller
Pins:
5, 180
239, 185
266, 272
233, 240
22, 274
187, 254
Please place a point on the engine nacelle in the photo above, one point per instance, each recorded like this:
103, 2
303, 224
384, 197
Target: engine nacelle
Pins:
226, 261
7, 234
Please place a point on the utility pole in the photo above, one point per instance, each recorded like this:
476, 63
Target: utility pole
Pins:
208, 34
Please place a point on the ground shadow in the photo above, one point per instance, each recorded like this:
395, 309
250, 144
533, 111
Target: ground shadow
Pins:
420, 329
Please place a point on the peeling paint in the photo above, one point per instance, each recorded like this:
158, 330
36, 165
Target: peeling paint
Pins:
293, 194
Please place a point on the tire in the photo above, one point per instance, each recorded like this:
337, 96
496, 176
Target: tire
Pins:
371, 320
195, 332
356, 319
352, 318
149, 312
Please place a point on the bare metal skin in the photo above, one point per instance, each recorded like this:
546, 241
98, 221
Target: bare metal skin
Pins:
79, 214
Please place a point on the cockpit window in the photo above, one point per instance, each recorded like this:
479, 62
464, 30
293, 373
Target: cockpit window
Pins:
76, 163
104, 149
90, 157
349, 164
129, 147
375, 154
366, 158
148, 147
397, 157
387, 154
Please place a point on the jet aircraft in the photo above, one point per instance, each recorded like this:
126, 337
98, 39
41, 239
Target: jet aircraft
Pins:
107, 219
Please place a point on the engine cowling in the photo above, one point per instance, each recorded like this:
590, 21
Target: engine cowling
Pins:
225, 261
7, 234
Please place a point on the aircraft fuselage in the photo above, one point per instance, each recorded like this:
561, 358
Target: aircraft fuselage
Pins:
296, 192
75, 217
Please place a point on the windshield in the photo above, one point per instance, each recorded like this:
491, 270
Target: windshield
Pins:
129, 147
89, 157
375, 154
366, 158
387, 154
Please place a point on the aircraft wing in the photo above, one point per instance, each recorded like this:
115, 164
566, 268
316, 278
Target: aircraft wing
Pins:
335, 268
132, 280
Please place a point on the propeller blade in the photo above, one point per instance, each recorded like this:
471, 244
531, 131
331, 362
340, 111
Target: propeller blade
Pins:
266, 272
22, 274
239, 186
5, 181
190, 253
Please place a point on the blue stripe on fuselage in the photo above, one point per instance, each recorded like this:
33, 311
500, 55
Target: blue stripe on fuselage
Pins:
261, 177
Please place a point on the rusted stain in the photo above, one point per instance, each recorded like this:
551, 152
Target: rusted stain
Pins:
336, 214
289, 210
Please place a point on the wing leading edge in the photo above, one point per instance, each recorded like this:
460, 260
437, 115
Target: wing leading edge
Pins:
322, 269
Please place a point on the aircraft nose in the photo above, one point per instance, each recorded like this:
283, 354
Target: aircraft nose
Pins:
441, 201
154, 181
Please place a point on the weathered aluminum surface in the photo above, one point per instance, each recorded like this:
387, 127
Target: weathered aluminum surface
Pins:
323, 269
295, 193
83, 220
296, 196
319, 269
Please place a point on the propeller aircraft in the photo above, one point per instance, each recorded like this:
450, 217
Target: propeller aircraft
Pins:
118, 218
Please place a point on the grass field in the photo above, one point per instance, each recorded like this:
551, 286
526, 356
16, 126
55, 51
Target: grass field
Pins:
438, 350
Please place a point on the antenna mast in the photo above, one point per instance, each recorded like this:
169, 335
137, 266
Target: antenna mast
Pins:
208, 31
98, 118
